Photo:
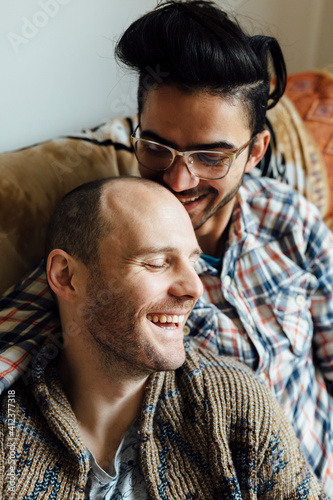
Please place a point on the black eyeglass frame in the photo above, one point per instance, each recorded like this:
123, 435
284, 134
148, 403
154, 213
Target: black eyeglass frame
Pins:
187, 154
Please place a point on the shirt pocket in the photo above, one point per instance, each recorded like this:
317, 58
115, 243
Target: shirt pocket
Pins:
291, 308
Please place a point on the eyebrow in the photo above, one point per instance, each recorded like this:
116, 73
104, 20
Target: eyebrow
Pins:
149, 134
156, 250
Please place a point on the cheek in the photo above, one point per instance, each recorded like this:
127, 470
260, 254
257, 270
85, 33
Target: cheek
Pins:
219, 187
150, 292
230, 181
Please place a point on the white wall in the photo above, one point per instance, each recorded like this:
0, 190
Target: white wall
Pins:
58, 73
297, 24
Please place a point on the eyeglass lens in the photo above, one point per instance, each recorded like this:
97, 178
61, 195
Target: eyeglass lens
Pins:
205, 163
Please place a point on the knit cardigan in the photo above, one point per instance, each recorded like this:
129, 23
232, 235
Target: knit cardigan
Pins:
209, 430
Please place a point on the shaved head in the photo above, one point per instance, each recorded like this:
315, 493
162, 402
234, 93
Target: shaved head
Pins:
102, 208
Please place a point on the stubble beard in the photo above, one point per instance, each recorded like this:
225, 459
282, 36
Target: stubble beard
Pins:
210, 211
113, 331
107, 332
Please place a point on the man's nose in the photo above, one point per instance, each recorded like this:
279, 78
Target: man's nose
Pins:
188, 283
178, 177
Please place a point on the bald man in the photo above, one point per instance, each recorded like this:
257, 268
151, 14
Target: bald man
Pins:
126, 409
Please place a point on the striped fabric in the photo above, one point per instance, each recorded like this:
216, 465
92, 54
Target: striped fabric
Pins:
24, 327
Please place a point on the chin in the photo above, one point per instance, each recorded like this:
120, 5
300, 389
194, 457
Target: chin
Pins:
171, 363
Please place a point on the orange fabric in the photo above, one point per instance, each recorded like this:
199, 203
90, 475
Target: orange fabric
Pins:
312, 95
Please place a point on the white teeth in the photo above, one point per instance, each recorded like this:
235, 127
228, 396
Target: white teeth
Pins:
165, 319
189, 200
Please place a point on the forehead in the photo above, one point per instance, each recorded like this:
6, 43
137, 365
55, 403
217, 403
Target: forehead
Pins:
193, 117
150, 220
167, 225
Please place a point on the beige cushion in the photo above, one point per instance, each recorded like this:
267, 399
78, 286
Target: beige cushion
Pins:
34, 179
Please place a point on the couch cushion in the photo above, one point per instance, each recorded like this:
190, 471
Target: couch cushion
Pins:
34, 179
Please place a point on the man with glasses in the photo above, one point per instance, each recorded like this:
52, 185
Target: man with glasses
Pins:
267, 268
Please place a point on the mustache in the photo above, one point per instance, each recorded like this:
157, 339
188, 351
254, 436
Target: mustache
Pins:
194, 192
182, 306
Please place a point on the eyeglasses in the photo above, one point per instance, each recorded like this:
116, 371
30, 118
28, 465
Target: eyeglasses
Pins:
206, 165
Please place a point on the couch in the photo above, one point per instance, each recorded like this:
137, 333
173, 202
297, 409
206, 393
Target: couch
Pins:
33, 179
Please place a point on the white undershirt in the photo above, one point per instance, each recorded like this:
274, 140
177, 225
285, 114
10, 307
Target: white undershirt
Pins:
124, 479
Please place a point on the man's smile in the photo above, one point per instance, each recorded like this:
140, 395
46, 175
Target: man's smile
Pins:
187, 200
166, 320
192, 198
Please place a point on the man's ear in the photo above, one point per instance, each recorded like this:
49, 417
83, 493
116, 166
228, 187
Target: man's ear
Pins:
61, 270
259, 149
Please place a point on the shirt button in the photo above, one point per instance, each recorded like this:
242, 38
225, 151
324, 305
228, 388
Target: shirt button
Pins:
186, 330
300, 299
227, 280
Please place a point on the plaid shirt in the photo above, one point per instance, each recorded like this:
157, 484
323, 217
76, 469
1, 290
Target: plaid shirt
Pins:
271, 308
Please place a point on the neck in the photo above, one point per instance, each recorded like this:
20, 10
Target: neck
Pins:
213, 234
105, 406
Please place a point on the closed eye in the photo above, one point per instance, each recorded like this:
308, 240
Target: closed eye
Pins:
211, 159
156, 265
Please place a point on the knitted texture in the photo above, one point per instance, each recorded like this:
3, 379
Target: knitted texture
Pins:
209, 430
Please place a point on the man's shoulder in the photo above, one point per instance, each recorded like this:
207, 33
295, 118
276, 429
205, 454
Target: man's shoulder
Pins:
262, 190
273, 208
206, 364
207, 380
34, 390
266, 187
